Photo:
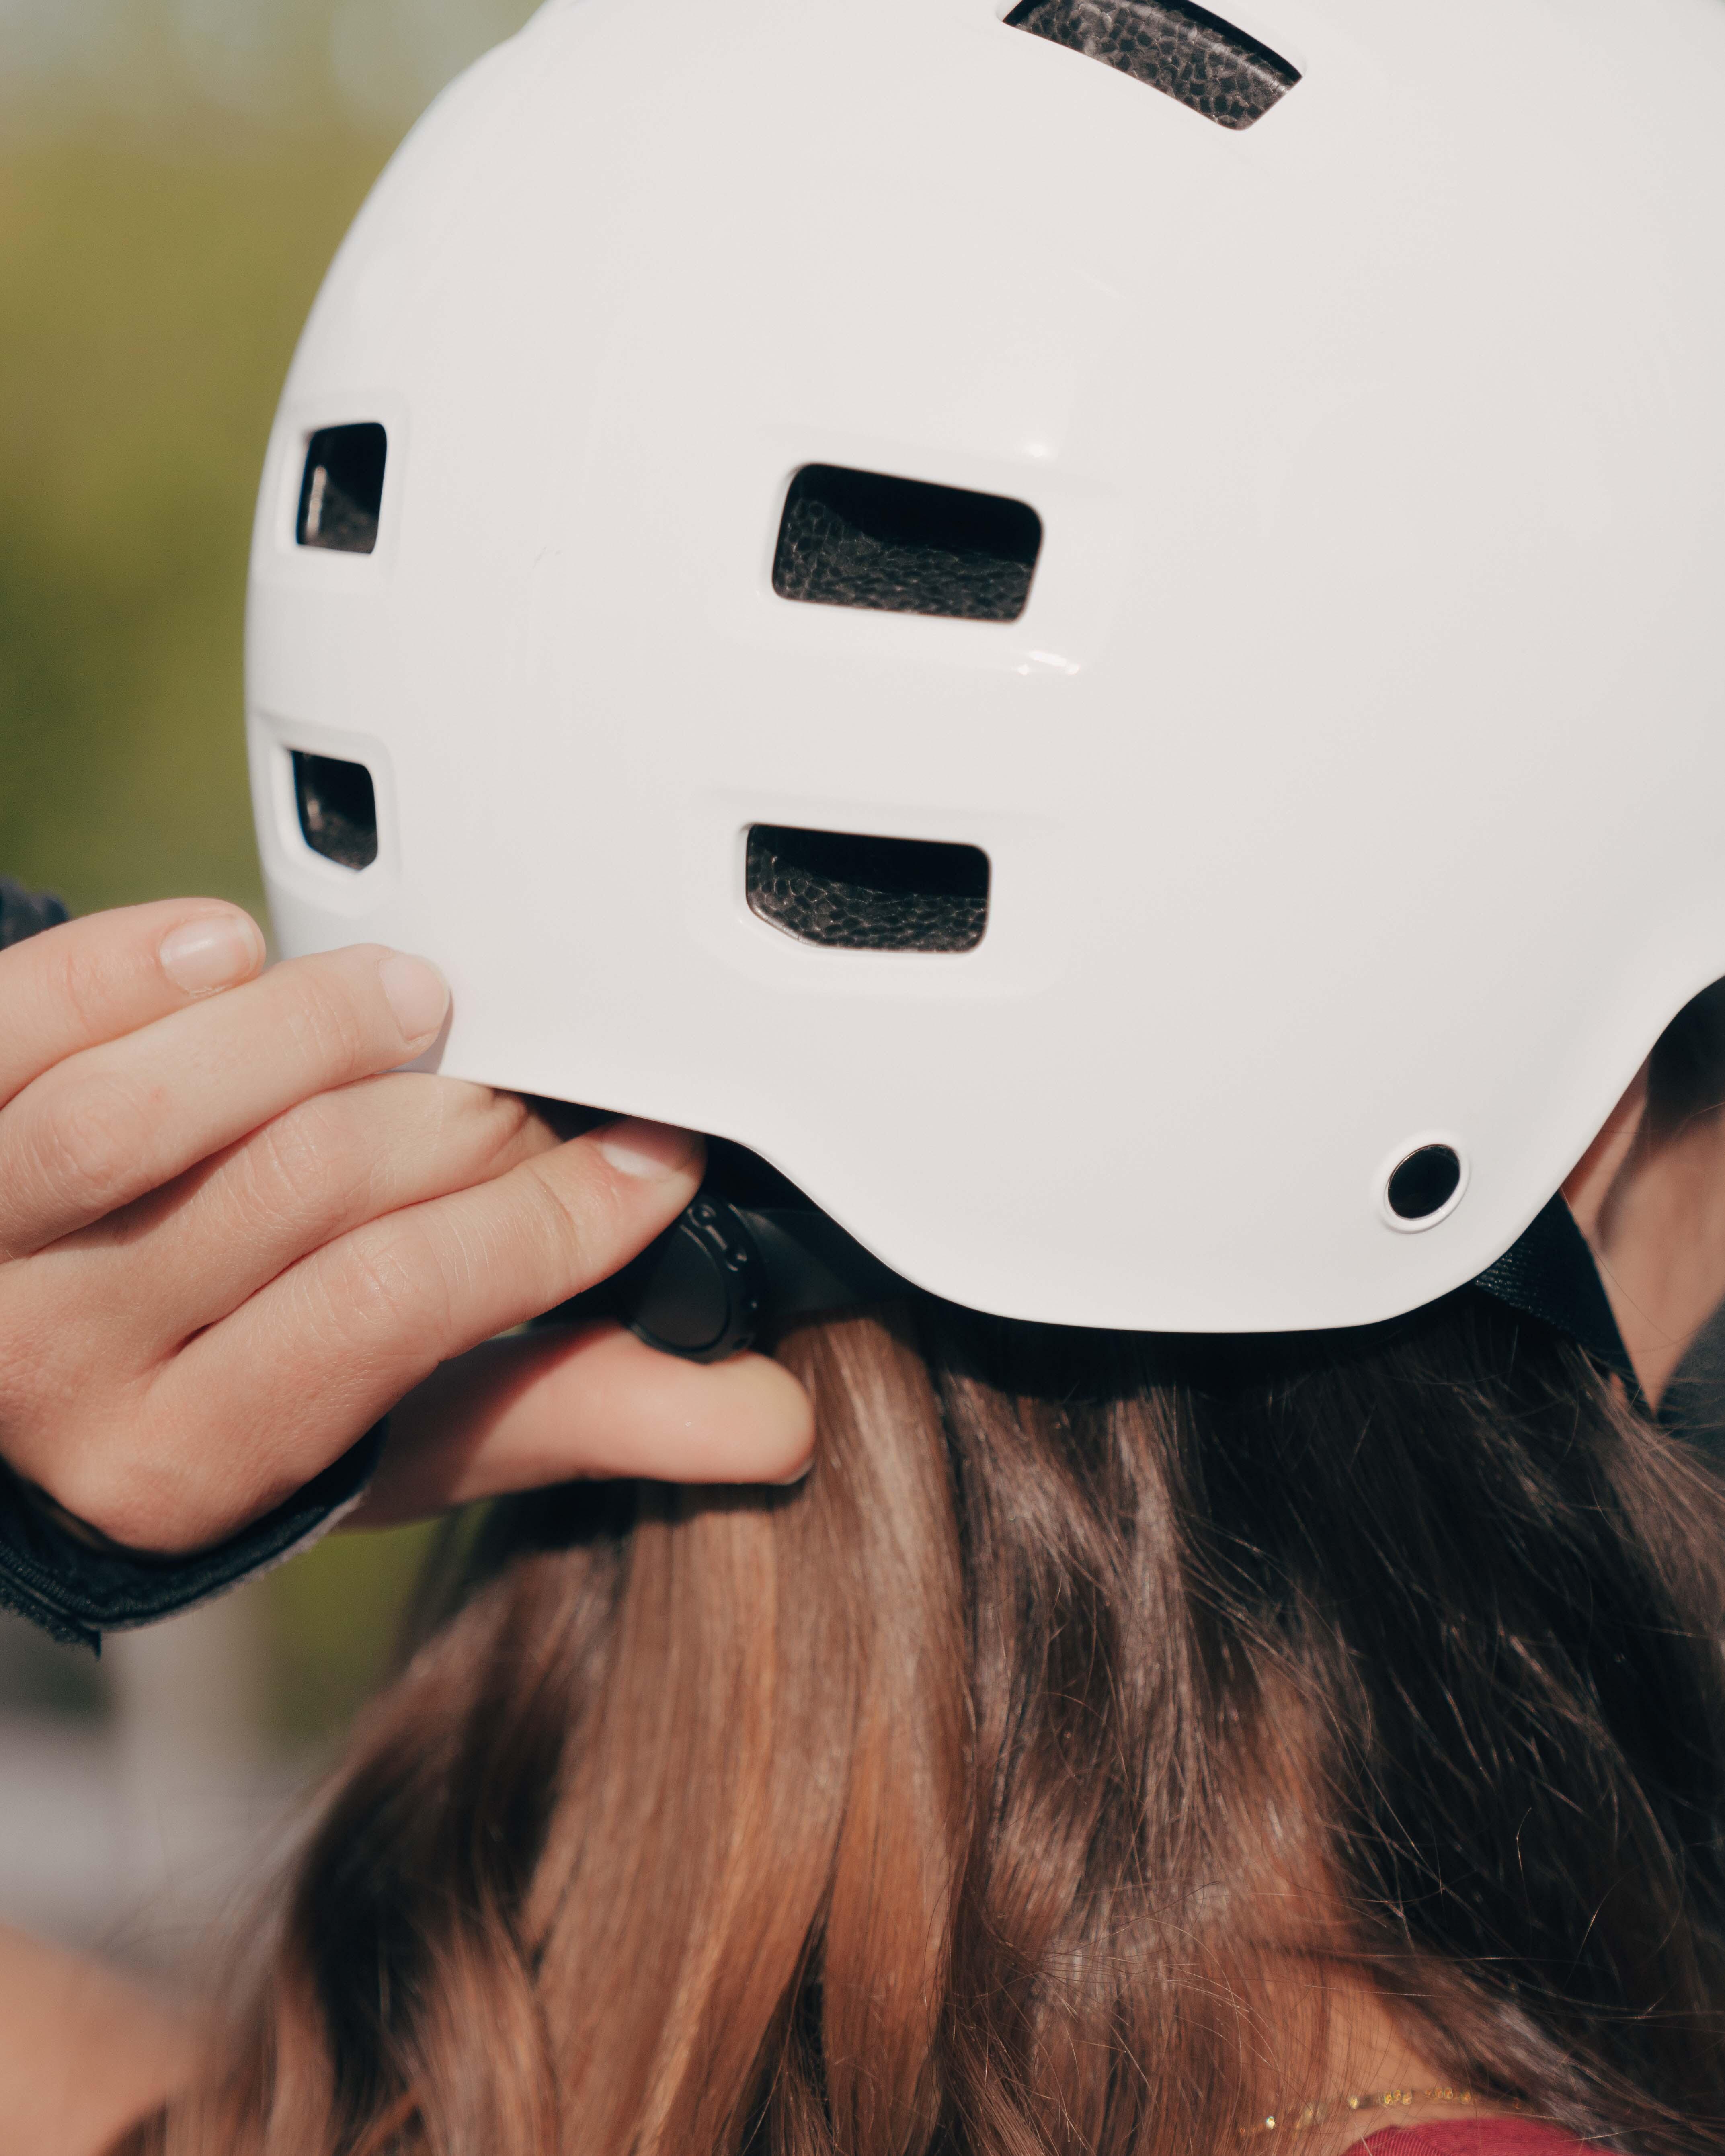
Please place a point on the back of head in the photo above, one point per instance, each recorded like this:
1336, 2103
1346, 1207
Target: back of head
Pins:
1297, 765
1005, 1786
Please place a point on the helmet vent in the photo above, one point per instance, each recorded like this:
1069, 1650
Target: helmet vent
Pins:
1190, 54
898, 545
342, 493
338, 809
853, 893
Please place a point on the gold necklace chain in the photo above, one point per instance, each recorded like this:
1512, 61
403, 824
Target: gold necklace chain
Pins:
1309, 2114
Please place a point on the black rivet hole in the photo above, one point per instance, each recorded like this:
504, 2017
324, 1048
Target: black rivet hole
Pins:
1425, 1183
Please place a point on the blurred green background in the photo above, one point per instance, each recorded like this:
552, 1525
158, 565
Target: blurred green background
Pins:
174, 177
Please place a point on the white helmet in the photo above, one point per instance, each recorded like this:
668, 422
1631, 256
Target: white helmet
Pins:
1098, 631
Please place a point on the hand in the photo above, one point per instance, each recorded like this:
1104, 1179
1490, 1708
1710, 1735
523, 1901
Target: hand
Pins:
233, 1234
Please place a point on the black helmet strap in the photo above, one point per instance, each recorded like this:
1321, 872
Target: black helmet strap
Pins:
1549, 1272
750, 1253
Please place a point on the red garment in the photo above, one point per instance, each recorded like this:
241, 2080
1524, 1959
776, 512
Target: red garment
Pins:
1473, 2137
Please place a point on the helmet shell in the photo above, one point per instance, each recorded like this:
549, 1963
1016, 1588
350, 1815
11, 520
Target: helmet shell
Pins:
1352, 780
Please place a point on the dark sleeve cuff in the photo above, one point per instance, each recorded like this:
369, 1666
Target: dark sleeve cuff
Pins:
77, 1589
25, 913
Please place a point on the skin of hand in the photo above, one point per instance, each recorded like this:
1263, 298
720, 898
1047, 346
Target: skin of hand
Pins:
234, 1233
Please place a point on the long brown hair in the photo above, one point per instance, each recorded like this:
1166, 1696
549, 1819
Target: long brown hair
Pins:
934, 1808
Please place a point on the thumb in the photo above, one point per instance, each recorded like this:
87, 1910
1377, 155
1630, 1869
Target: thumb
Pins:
558, 1407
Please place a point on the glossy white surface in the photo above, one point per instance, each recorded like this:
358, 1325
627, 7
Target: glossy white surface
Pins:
1355, 771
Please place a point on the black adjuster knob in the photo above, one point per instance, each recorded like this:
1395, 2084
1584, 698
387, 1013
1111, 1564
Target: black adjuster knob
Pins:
697, 1291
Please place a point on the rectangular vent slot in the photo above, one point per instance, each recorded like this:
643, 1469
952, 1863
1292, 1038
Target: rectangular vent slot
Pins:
898, 545
338, 809
1185, 51
342, 492
854, 893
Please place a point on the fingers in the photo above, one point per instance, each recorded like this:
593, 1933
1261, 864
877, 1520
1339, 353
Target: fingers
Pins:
334, 1342
184, 1257
93, 981
100, 1129
525, 1414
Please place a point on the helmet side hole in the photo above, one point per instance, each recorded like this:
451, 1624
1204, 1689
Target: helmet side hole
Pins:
341, 489
1205, 64
337, 806
852, 892
901, 545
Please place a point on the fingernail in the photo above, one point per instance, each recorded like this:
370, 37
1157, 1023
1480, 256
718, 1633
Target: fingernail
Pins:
418, 994
801, 1475
203, 956
650, 1151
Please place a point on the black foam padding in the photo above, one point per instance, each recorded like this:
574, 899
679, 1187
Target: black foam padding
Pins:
338, 809
341, 489
900, 545
1185, 51
854, 893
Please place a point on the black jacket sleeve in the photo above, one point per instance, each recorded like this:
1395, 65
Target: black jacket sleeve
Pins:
25, 913
76, 1584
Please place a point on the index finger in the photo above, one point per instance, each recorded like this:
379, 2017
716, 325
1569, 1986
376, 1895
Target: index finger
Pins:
92, 980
